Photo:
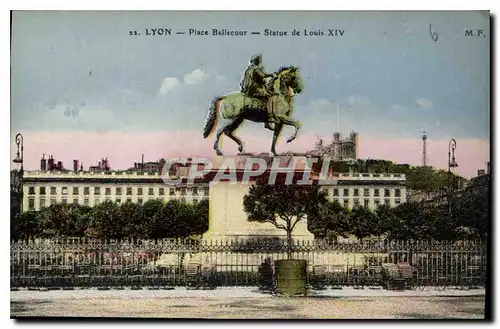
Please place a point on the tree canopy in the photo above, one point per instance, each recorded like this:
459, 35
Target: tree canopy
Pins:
153, 220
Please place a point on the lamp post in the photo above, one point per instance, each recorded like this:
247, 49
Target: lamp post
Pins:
452, 145
18, 181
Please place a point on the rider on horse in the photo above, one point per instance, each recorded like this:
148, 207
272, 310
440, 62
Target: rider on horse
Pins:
254, 85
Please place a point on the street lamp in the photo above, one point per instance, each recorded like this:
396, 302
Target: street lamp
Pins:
18, 183
452, 145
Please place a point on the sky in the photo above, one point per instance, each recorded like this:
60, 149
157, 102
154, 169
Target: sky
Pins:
83, 88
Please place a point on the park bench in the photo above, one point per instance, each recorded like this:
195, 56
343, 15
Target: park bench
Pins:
338, 276
192, 275
209, 276
318, 277
374, 276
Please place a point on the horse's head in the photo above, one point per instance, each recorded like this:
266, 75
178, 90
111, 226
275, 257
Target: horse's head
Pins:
291, 78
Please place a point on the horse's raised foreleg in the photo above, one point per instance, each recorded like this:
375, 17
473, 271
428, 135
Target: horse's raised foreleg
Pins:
231, 128
295, 124
277, 131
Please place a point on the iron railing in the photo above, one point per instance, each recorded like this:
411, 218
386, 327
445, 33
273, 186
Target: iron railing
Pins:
94, 263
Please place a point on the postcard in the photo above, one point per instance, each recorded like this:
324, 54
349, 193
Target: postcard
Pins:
250, 165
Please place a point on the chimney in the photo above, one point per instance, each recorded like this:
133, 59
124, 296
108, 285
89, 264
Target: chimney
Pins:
99, 165
488, 167
43, 163
135, 165
81, 166
50, 163
75, 165
59, 165
480, 172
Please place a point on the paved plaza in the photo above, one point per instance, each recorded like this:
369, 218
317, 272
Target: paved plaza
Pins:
249, 303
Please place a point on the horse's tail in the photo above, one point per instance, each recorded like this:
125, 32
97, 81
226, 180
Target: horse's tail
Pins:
211, 118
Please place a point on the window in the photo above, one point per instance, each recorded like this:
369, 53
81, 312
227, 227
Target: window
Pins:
31, 190
118, 200
398, 202
195, 191
150, 191
129, 200
355, 192
97, 190
52, 201
108, 190
42, 190
64, 201
366, 192
171, 191
64, 190
96, 201
386, 202
397, 193
75, 191
376, 192
139, 201
31, 204
356, 204
377, 203
75, 201
346, 192
86, 202
335, 192
346, 202
366, 203
161, 191
205, 191
183, 191
86, 190
118, 191
139, 191
129, 191
53, 190
42, 203
386, 192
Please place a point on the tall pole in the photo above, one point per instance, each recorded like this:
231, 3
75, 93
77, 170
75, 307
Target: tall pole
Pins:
452, 145
20, 159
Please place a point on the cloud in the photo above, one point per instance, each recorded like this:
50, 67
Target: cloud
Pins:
424, 103
168, 84
197, 76
194, 77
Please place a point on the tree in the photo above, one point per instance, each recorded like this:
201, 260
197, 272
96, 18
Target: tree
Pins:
385, 219
133, 222
330, 221
24, 225
153, 215
362, 223
283, 205
106, 222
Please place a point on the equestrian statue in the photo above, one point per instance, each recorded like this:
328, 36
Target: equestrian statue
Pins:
266, 98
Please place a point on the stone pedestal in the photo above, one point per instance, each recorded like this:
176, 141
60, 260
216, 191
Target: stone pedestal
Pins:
228, 219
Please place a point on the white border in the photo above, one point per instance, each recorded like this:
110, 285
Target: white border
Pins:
183, 5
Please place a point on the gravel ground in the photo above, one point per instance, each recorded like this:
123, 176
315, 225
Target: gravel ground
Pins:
248, 303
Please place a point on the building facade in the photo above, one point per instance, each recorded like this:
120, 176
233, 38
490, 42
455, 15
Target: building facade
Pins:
45, 188
367, 190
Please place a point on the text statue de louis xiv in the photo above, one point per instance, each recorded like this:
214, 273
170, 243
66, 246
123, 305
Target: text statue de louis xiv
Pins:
263, 97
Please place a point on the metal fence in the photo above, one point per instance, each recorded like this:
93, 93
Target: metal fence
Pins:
95, 263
